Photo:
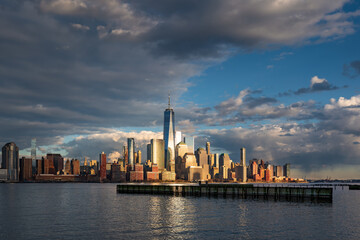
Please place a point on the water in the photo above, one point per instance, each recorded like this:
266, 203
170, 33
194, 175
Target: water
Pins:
96, 211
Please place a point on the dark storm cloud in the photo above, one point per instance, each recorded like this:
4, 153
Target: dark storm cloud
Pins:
352, 70
203, 28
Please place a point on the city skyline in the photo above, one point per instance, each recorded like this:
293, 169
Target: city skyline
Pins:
81, 78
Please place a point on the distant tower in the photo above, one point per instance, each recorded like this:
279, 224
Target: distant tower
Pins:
138, 159
10, 161
169, 135
131, 150
208, 148
243, 164
189, 141
33, 151
102, 166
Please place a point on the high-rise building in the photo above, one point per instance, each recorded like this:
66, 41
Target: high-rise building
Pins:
243, 164
208, 148
225, 160
57, 160
75, 167
158, 153
177, 137
201, 157
33, 152
10, 161
131, 150
216, 160
169, 135
286, 171
148, 151
138, 157
102, 166
25, 169
189, 141
68, 167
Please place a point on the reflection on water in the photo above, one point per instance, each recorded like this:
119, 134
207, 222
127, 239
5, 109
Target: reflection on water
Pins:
96, 211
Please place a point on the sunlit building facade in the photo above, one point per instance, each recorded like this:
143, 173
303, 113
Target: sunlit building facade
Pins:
169, 135
131, 150
158, 153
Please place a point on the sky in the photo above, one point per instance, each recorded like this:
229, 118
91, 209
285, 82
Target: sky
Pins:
280, 78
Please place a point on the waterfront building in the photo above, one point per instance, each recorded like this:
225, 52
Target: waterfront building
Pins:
10, 161
25, 169
75, 166
137, 174
189, 141
243, 164
169, 135
131, 150
158, 153
224, 160
268, 175
67, 167
278, 171
223, 172
33, 152
58, 162
153, 173
253, 169
3, 175
39, 167
201, 156
102, 166
286, 171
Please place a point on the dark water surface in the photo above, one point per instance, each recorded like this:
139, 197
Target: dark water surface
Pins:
96, 211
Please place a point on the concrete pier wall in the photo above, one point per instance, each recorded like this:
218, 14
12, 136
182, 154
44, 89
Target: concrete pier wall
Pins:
240, 190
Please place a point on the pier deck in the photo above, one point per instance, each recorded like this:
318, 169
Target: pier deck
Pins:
230, 189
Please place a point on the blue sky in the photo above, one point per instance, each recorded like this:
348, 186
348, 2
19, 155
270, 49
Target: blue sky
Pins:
280, 78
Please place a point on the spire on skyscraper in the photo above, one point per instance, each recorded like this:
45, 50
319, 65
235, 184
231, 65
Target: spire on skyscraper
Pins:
169, 106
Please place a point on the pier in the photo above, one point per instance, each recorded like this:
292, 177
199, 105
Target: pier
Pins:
231, 189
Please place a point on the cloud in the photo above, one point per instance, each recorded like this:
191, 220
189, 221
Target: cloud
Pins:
305, 148
352, 70
80, 27
109, 141
316, 85
187, 29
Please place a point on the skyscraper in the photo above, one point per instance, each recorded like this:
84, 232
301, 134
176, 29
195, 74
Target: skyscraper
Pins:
131, 150
33, 151
189, 141
10, 161
208, 148
158, 153
169, 135
243, 164
102, 166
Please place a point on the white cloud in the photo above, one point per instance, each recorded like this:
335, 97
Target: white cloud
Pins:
317, 80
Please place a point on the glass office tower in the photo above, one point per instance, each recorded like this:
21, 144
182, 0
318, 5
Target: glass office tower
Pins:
169, 135
131, 150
